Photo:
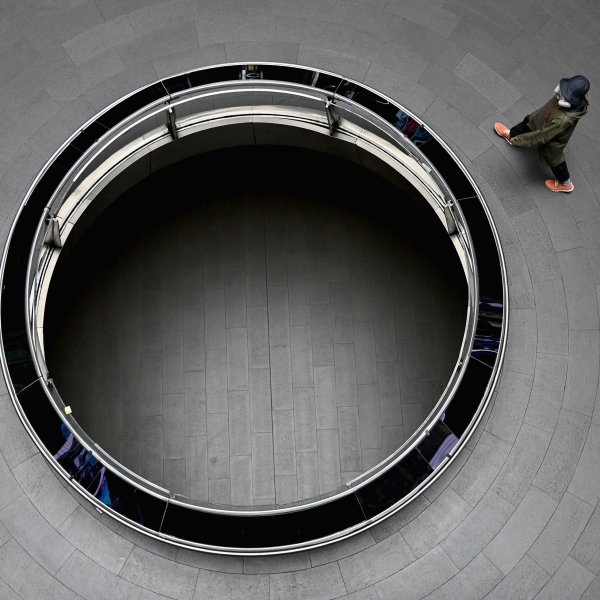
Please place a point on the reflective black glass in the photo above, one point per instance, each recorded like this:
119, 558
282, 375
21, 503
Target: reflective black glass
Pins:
326, 82
178, 83
468, 396
46, 186
89, 136
132, 104
486, 343
453, 175
42, 416
216, 75
289, 74
249, 531
127, 500
394, 484
486, 250
370, 100
436, 445
14, 323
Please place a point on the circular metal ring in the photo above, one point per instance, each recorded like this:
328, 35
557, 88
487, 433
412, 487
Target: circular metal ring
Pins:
249, 95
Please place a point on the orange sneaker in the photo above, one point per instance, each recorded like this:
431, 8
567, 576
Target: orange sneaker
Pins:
556, 186
503, 131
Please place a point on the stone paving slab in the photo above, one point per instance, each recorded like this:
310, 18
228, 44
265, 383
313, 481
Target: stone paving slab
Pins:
318, 583
215, 585
593, 590
100, 544
479, 528
45, 490
474, 581
521, 530
524, 581
91, 580
27, 578
462, 64
570, 581
419, 578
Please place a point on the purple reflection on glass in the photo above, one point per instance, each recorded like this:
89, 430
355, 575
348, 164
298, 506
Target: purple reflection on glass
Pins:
412, 129
438, 443
445, 448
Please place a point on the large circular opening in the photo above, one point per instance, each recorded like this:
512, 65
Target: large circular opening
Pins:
256, 326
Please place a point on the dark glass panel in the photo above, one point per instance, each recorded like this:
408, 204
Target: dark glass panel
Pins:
262, 531
203, 528
348, 89
326, 82
289, 74
83, 467
132, 104
467, 397
68, 157
453, 175
411, 128
89, 136
43, 417
14, 323
79, 462
330, 518
370, 100
394, 484
19, 359
178, 83
486, 251
488, 332
436, 445
215, 75
127, 500
421, 137
46, 186
18, 253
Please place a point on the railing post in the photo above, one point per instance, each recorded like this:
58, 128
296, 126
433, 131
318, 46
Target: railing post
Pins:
172, 123
450, 220
52, 237
332, 118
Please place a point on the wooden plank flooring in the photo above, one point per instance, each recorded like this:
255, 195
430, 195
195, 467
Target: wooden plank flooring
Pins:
258, 347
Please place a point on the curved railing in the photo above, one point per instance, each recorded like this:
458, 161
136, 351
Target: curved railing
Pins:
196, 102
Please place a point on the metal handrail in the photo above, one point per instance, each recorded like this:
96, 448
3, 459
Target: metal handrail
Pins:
105, 147
326, 113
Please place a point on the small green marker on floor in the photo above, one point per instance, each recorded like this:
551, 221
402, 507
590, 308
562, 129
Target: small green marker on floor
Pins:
68, 410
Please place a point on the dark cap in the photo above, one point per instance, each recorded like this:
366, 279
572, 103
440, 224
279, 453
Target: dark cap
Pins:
574, 89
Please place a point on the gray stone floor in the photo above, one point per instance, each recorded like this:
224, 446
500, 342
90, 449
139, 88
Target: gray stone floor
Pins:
257, 345
517, 516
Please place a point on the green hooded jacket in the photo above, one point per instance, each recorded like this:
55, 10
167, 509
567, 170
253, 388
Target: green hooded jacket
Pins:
551, 127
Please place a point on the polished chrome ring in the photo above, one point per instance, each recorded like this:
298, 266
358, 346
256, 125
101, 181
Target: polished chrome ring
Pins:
279, 98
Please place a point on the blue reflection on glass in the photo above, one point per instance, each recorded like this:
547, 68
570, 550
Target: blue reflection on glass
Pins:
489, 327
82, 466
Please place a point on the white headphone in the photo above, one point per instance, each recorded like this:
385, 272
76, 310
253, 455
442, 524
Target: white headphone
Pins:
561, 101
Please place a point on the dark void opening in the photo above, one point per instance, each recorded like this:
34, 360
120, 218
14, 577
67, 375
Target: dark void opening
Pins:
256, 326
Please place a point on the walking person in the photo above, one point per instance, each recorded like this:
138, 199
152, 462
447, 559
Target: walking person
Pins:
549, 128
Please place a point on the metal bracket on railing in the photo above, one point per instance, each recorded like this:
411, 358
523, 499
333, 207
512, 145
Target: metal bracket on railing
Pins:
450, 220
332, 119
448, 201
52, 237
172, 123
251, 72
